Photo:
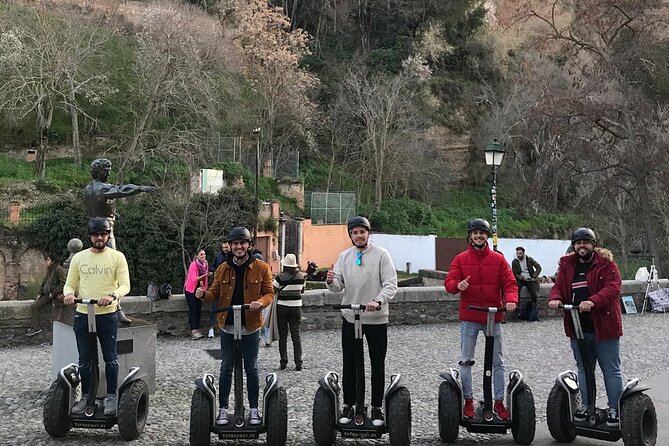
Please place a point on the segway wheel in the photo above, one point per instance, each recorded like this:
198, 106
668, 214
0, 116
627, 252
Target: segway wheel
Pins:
399, 417
200, 418
323, 418
557, 415
56, 415
276, 418
133, 410
449, 412
523, 426
638, 420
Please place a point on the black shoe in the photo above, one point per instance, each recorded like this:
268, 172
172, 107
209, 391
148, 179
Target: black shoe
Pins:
298, 367
122, 318
581, 414
612, 418
346, 414
377, 416
283, 365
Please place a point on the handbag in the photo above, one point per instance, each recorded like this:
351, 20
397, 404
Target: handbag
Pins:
152, 291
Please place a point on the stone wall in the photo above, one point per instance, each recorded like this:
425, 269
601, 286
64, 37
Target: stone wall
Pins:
411, 306
22, 266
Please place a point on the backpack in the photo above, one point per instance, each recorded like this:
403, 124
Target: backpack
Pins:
165, 291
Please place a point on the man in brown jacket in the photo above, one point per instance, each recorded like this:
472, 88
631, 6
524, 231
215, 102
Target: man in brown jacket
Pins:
241, 279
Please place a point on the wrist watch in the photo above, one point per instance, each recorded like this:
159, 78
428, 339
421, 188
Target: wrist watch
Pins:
378, 302
112, 294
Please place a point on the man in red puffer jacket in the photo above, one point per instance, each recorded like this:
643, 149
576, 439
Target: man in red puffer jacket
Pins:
482, 277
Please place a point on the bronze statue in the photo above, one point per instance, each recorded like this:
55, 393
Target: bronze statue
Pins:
100, 196
99, 200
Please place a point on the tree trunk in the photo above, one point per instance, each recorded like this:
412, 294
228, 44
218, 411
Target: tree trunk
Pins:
44, 117
75, 126
646, 218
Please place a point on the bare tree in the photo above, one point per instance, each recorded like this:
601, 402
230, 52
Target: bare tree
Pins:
381, 106
42, 60
176, 88
272, 52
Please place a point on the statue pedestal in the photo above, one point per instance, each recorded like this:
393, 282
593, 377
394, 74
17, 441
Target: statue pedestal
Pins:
135, 345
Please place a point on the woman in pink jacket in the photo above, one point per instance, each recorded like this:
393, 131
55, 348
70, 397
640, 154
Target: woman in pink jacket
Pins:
197, 276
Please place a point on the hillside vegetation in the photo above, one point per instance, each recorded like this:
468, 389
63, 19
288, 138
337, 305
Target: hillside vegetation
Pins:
372, 94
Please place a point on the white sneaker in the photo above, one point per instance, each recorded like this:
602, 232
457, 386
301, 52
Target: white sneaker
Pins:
222, 418
211, 333
80, 405
110, 405
254, 417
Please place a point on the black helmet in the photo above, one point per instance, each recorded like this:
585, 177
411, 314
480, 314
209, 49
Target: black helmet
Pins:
239, 233
584, 234
358, 221
98, 224
478, 223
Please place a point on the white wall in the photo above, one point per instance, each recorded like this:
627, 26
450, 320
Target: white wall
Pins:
546, 252
420, 250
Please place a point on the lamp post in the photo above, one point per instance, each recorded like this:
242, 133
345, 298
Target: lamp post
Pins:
256, 131
494, 155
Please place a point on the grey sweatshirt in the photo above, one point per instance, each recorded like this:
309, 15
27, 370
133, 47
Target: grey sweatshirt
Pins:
374, 279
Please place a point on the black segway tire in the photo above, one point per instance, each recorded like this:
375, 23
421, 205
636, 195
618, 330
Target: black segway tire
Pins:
133, 410
55, 414
276, 418
638, 420
399, 417
523, 426
322, 418
559, 423
449, 412
200, 419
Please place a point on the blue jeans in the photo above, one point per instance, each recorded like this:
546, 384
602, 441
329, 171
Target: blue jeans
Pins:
107, 329
250, 356
607, 354
194, 310
468, 334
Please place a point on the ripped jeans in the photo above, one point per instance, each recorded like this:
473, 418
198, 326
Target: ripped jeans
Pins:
107, 329
468, 334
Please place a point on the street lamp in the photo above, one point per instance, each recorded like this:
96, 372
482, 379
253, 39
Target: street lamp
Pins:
494, 155
256, 131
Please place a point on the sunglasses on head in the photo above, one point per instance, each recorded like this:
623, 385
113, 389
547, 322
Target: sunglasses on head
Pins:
358, 258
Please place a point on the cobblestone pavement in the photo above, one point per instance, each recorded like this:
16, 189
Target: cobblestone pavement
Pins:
539, 349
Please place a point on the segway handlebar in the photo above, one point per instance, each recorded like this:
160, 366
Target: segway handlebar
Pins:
360, 307
231, 308
568, 307
486, 309
86, 301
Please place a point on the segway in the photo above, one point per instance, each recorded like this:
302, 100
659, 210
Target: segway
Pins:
396, 401
132, 396
204, 402
637, 424
519, 399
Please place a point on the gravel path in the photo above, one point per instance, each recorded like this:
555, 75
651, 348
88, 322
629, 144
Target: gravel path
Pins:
421, 352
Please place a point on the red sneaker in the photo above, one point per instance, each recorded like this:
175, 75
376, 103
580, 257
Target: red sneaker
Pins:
469, 408
500, 410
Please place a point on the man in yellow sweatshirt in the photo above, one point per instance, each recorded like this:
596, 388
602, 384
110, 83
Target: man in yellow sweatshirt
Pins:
97, 273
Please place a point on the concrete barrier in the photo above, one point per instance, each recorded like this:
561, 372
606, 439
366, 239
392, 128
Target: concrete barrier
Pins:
411, 306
